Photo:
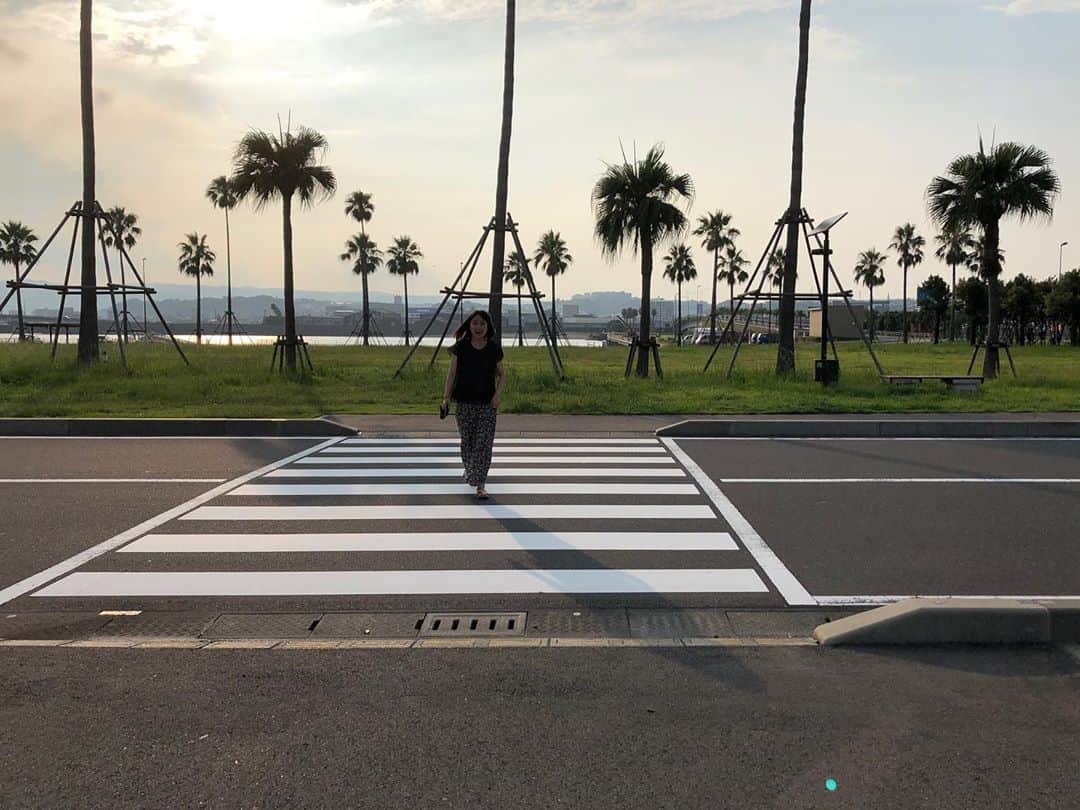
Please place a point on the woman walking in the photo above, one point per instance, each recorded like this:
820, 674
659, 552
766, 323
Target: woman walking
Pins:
475, 382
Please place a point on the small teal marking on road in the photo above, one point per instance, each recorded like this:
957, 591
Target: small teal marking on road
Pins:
830, 784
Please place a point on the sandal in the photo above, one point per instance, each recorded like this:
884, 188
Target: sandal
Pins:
481, 494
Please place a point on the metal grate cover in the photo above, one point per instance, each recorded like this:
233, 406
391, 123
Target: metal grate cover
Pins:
263, 625
473, 624
680, 623
574, 623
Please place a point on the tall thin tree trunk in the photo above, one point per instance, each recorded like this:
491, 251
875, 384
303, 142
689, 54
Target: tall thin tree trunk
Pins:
731, 301
905, 306
88, 319
679, 327
198, 305
991, 270
228, 271
646, 304
18, 305
952, 307
871, 314
554, 329
785, 354
937, 327
712, 315
367, 311
123, 290
405, 277
290, 305
521, 334
498, 255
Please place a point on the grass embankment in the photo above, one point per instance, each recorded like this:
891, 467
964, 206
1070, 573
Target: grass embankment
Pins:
236, 382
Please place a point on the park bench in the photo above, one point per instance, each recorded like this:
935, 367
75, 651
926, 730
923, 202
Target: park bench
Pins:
958, 382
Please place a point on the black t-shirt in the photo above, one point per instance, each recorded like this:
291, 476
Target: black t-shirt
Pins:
475, 381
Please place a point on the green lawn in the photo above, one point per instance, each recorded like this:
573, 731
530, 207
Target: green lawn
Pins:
236, 382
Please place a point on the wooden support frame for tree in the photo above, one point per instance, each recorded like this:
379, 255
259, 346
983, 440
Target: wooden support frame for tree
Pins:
100, 222
756, 294
459, 291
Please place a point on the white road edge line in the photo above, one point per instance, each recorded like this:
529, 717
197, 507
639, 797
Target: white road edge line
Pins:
877, 439
786, 583
899, 480
174, 438
112, 480
859, 601
83, 557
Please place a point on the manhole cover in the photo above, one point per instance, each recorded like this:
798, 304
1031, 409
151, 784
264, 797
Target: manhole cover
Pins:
473, 624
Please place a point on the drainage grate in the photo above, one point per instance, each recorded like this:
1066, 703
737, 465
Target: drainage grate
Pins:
473, 624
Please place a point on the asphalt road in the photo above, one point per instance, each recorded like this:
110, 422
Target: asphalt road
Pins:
970, 728
656, 727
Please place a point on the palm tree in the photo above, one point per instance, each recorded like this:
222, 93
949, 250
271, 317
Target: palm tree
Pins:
717, 233
267, 167
221, 195
774, 274
679, 267
870, 272
516, 272
366, 258
360, 207
634, 206
197, 259
733, 265
122, 233
785, 352
552, 255
908, 246
975, 257
401, 261
88, 316
503, 178
982, 189
954, 246
17, 248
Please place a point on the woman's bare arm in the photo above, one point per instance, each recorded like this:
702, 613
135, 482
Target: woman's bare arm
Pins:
451, 375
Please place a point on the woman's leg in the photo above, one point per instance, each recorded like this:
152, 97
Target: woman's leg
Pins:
485, 441
467, 424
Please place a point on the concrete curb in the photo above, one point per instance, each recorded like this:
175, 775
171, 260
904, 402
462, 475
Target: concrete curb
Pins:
872, 429
958, 621
152, 428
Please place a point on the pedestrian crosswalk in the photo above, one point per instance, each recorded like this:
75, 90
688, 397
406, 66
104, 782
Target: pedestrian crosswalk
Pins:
581, 516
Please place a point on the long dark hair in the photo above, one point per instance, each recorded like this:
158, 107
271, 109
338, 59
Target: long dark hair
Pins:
463, 330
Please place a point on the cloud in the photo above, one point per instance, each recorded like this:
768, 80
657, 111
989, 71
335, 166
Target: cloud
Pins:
1021, 7
571, 11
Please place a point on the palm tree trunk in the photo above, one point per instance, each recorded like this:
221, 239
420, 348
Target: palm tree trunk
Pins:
405, 278
905, 306
498, 256
937, 327
679, 339
731, 301
991, 270
952, 307
871, 314
367, 311
712, 312
18, 305
228, 266
123, 292
290, 306
88, 322
521, 334
554, 330
198, 305
646, 312
785, 354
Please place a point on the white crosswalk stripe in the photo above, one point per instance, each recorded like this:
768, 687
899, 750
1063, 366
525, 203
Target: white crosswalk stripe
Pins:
612, 495
279, 490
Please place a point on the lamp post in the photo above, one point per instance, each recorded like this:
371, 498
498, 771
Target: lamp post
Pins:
1061, 255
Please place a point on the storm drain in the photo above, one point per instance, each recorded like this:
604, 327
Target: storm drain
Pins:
472, 624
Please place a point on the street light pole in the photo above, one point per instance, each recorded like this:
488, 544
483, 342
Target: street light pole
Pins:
1061, 255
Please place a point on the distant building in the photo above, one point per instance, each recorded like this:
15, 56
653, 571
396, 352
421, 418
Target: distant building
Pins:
570, 310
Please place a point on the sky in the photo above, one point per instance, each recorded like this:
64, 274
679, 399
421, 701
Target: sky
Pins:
408, 95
